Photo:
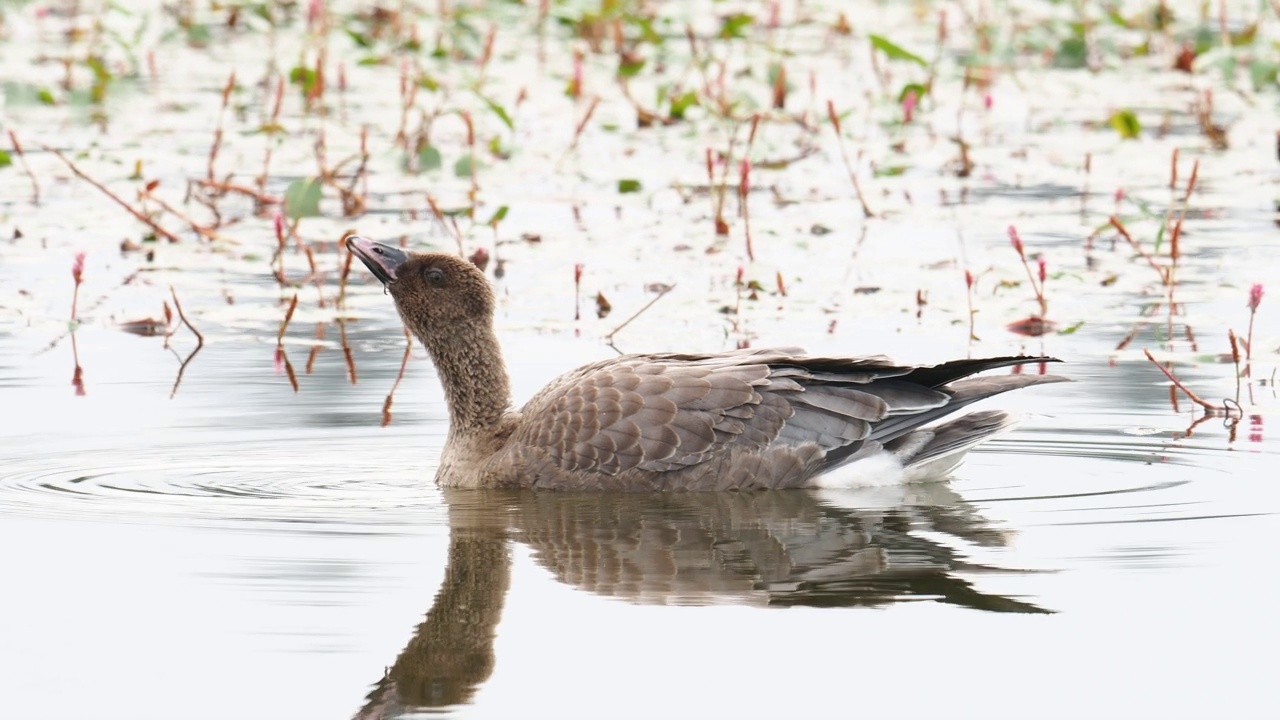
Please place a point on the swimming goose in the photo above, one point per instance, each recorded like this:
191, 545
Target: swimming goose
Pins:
739, 420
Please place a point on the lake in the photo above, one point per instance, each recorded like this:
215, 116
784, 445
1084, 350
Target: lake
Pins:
243, 523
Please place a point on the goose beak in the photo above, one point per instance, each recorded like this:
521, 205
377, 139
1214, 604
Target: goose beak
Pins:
382, 260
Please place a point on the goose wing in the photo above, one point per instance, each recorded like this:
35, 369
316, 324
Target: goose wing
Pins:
666, 412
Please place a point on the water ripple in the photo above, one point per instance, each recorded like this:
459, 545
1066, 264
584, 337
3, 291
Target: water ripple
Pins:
256, 483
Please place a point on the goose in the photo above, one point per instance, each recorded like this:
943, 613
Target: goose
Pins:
752, 419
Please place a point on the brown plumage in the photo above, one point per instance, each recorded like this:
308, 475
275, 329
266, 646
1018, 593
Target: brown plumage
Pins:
747, 419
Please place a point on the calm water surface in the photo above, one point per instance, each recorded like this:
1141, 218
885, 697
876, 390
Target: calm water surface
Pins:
244, 551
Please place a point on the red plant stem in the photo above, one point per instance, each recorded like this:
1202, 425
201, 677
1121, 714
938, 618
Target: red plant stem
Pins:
132, 210
667, 289
1178, 383
346, 270
1235, 359
1115, 222
1248, 345
183, 316
744, 192
288, 315
404, 363
844, 155
22, 158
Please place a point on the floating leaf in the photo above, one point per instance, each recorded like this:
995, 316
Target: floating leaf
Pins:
429, 159
1072, 53
890, 170
302, 198
5, 159
465, 166
500, 111
681, 104
628, 186
895, 52
735, 25
359, 39
1126, 123
630, 66
917, 88
304, 76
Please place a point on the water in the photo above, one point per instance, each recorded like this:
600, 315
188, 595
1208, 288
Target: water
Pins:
240, 529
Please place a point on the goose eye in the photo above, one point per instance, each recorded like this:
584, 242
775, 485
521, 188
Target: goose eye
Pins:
435, 276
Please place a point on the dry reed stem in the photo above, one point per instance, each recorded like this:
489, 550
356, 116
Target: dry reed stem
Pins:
288, 315
404, 363
183, 317
609, 338
1178, 383
22, 158
105, 191
1119, 226
347, 355
844, 155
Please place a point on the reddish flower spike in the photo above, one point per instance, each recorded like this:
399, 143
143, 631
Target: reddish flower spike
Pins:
1255, 296
1015, 240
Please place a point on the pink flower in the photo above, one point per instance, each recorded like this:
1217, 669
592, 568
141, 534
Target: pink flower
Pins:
744, 172
968, 279
1015, 239
1119, 194
577, 273
77, 270
1255, 297
909, 102
315, 11
987, 102
1042, 271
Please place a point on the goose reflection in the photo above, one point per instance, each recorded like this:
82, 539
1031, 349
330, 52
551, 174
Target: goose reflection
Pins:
770, 549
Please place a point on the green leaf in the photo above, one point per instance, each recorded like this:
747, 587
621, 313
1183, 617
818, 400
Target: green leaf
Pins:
894, 51
917, 88
1071, 329
1126, 123
100, 71
497, 217
628, 69
500, 111
890, 171
199, 36
428, 82
681, 104
1160, 237
304, 76
628, 186
359, 40
465, 166
735, 25
46, 96
302, 198
1072, 54
5, 158
429, 159
1263, 74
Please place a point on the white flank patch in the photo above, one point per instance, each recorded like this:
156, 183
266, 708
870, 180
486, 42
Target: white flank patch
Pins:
879, 470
